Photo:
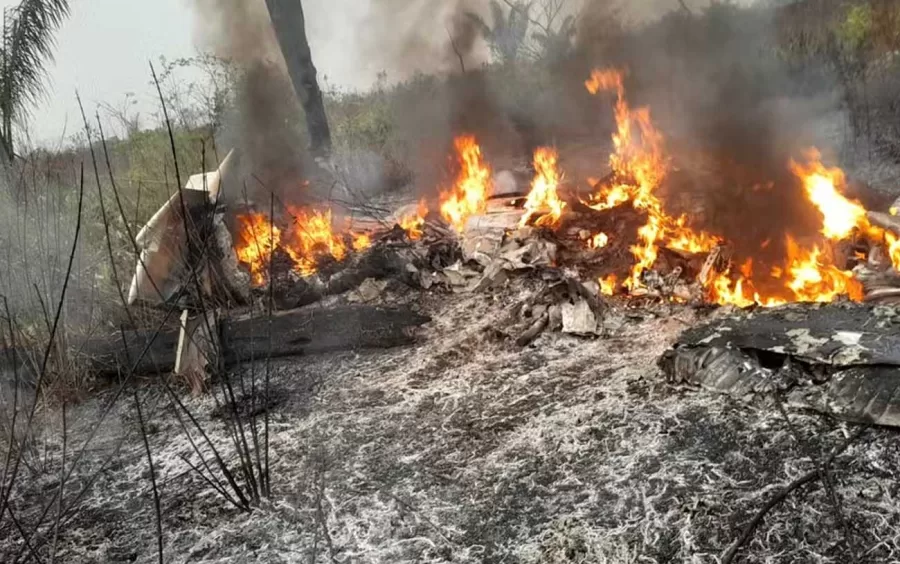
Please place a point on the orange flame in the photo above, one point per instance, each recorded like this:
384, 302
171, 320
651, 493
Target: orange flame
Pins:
412, 223
814, 279
312, 238
640, 166
543, 198
608, 285
807, 276
722, 290
471, 190
361, 241
893, 245
256, 242
840, 215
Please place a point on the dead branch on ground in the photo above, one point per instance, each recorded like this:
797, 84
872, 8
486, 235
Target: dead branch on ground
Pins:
729, 555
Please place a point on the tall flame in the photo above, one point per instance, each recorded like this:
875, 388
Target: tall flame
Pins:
472, 187
257, 240
840, 215
544, 199
640, 166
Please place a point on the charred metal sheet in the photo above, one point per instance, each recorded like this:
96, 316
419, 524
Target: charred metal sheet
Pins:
865, 394
835, 334
839, 359
717, 369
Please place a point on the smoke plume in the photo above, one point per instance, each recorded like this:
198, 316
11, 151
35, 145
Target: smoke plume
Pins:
262, 125
405, 37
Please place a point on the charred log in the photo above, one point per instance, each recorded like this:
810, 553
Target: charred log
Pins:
380, 262
298, 332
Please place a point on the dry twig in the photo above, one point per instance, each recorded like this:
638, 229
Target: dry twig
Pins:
730, 554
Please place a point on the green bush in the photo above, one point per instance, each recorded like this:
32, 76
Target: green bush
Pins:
855, 31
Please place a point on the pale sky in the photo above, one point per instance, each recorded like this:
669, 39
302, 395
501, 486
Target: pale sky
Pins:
103, 51
105, 47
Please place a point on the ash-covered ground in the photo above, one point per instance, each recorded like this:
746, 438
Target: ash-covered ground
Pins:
466, 448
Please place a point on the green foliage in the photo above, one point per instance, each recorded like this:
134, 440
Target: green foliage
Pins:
145, 161
855, 31
361, 122
199, 103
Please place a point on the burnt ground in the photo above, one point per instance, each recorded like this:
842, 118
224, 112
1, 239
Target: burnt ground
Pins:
465, 448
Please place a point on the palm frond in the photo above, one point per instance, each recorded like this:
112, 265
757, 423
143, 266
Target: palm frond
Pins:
556, 44
498, 18
568, 29
29, 40
518, 21
479, 23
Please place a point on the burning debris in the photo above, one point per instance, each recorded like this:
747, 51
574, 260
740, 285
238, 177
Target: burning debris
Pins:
469, 194
620, 239
543, 201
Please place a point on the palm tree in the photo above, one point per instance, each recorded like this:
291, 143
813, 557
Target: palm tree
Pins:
28, 43
508, 33
556, 45
290, 29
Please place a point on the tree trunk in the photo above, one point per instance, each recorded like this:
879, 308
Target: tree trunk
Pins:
290, 29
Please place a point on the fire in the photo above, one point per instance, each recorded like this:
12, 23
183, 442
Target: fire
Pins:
257, 241
814, 279
543, 198
683, 238
808, 271
893, 245
361, 241
807, 276
840, 215
413, 223
608, 285
472, 187
640, 165
311, 238
723, 290
599, 241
